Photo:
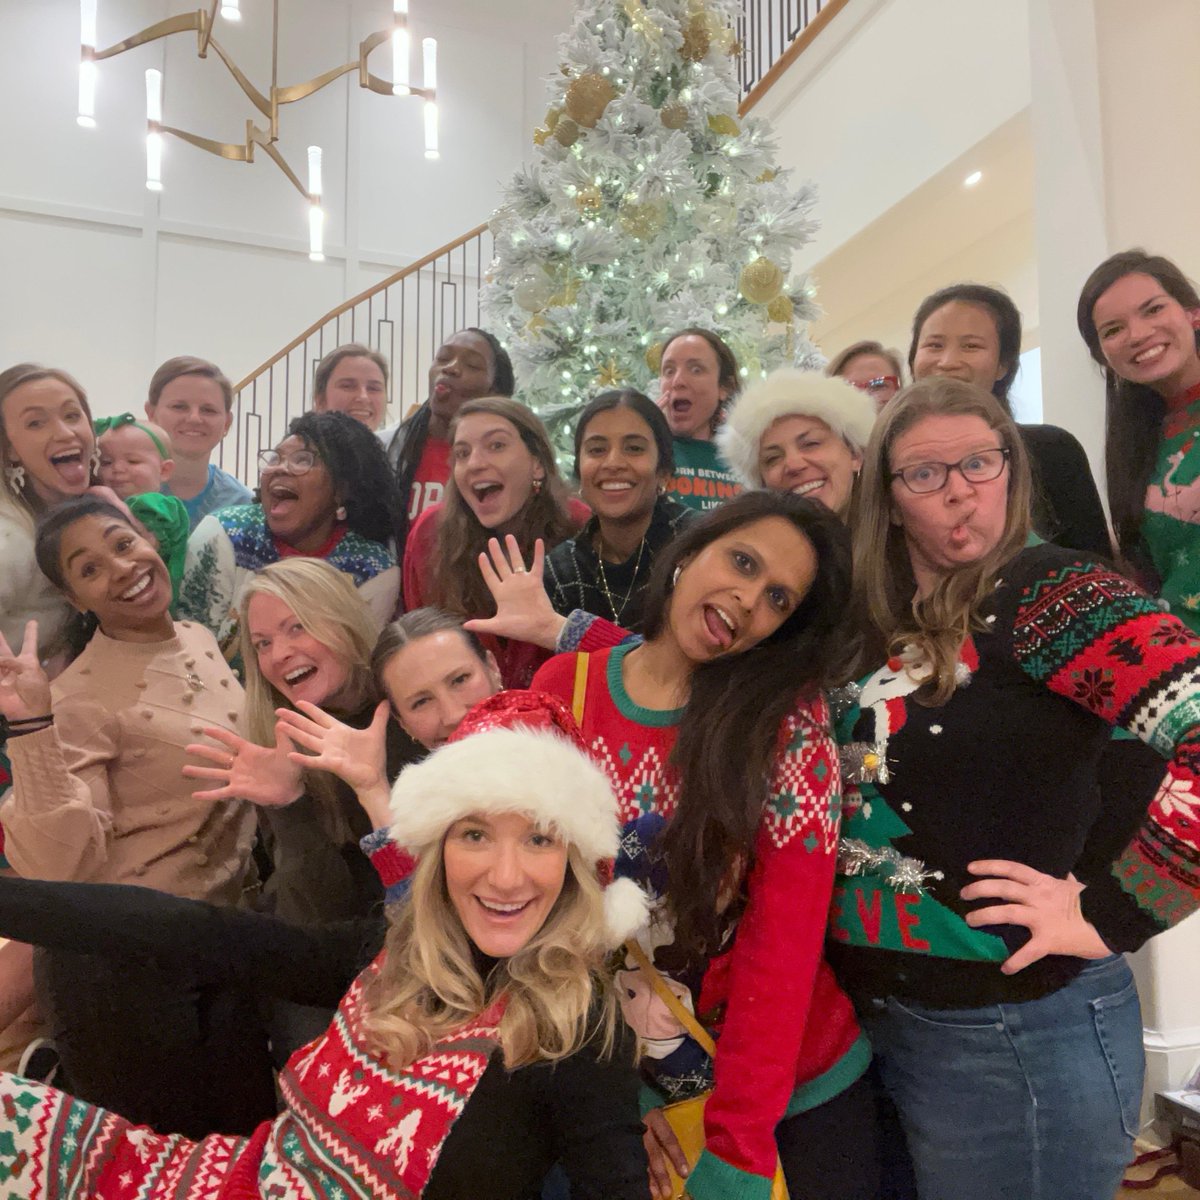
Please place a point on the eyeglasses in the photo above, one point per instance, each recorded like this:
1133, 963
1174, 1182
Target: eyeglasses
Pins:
299, 462
878, 384
980, 467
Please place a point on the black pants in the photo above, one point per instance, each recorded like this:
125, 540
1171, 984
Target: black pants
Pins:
832, 1152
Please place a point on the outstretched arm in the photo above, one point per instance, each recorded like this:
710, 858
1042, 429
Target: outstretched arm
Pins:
206, 943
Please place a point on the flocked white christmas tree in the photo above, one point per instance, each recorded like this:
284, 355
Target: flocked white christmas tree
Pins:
650, 205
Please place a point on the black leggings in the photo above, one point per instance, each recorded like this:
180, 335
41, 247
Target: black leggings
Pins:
162, 1005
831, 1152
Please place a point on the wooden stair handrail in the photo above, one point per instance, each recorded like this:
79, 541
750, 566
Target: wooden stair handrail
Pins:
382, 285
778, 68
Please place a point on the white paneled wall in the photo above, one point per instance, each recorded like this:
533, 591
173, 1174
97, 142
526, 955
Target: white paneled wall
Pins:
107, 279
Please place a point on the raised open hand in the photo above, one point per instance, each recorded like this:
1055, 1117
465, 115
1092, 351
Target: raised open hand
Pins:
523, 610
261, 774
24, 686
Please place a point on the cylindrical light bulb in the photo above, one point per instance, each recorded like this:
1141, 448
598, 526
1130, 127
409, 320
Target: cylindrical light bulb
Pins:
400, 46
154, 150
87, 94
154, 95
400, 7
429, 48
87, 23
431, 130
231, 10
316, 233
314, 171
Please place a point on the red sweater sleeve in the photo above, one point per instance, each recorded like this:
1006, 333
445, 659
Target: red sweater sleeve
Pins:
418, 558
557, 676
778, 949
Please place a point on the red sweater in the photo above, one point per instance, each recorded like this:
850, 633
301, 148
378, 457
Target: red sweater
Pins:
772, 1060
517, 660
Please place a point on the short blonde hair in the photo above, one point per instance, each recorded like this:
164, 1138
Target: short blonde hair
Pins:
937, 625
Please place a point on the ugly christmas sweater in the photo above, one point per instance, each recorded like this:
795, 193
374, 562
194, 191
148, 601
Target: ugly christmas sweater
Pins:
787, 1036
1021, 763
1171, 522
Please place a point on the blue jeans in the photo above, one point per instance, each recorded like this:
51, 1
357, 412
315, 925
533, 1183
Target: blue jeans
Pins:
1030, 1101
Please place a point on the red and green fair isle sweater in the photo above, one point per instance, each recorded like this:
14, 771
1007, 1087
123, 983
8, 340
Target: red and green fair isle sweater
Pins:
1022, 763
788, 1038
353, 1128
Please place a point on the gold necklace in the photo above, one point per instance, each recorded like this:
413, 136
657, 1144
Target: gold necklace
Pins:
612, 604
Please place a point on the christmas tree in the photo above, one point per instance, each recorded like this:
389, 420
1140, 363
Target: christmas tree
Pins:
651, 205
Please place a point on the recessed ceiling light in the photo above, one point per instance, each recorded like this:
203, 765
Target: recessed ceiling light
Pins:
972, 179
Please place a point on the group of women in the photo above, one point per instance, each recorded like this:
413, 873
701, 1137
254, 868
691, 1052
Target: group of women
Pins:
896, 904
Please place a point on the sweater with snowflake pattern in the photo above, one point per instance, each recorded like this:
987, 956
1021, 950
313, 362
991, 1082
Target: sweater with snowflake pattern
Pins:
1022, 763
787, 1036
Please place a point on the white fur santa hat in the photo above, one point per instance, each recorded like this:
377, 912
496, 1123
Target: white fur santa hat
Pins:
788, 392
521, 751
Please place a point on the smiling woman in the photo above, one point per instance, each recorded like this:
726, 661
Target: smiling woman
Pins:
326, 491
96, 787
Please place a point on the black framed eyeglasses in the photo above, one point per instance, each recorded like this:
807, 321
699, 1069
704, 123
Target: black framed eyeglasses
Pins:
980, 467
299, 462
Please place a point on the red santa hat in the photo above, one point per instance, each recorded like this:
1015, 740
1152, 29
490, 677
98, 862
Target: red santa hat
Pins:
521, 751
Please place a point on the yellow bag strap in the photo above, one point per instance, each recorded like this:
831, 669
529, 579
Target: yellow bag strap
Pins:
672, 1001
580, 697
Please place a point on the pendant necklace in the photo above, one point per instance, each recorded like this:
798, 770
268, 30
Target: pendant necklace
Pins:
612, 604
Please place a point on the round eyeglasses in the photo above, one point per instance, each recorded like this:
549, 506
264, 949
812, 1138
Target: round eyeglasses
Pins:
299, 462
980, 467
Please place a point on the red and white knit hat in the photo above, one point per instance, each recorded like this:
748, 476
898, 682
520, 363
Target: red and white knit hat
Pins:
521, 751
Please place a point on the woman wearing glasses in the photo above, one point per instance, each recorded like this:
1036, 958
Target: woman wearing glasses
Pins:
1001, 848
872, 368
973, 332
326, 491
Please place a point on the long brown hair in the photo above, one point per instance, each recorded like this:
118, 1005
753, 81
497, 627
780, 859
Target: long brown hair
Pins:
25, 504
458, 585
1134, 412
936, 626
728, 736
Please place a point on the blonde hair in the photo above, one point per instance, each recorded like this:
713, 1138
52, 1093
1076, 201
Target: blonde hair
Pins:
328, 606
929, 632
458, 584
558, 997
25, 506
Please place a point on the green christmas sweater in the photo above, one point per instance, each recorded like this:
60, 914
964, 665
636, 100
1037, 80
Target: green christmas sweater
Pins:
1171, 524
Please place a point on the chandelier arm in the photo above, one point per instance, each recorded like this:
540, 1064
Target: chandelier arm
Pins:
207, 29
273, 153
161, 29
230, 150
300, 91
261, 102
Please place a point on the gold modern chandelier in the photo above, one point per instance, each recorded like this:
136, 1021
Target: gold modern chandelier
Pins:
201, 23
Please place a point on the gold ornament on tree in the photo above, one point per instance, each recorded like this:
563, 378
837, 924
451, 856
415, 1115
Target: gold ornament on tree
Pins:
654, 357
589, 201
610, 374
761, 281
640, 20
587, 98
532, 291
673, 114
724, 124
767, 176
566, 132
552, 116
540, 135
696, 39
567, 283
780, 309
642, 219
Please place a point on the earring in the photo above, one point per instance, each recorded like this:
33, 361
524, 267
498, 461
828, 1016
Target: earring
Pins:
95, 459
675, 575
14, 476
537, 487
340, 512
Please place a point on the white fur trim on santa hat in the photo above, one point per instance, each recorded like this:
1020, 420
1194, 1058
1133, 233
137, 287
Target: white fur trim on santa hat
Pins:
626, 910
507, 770
849, 412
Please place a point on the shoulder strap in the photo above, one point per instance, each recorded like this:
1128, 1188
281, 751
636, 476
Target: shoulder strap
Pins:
579, 698
668, 997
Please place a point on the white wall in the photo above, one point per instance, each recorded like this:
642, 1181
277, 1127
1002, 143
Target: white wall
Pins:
106, 279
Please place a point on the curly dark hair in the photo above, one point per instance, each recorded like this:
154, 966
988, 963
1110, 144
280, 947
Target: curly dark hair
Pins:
729, 731
358, 465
